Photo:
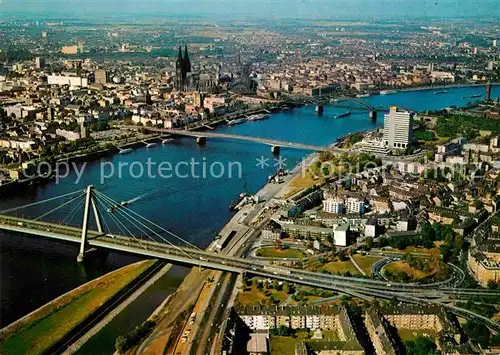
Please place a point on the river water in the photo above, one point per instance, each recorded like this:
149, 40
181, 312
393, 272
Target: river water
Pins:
34, 271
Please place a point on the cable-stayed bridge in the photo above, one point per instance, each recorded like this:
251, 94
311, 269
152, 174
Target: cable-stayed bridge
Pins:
140, 236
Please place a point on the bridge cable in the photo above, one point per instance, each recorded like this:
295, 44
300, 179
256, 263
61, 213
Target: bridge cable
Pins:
121, 224
127, 215
152, 223
56, 208
146, 234
40, 202
123, 211
73, 212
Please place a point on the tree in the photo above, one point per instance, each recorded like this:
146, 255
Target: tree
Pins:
492, 285
421, 346
342, 255
446, 252
369, 243
478, 332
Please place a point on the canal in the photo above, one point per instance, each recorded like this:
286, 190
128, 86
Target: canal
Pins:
34, 271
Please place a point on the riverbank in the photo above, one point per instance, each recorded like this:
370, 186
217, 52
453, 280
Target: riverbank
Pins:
122, 304
443, 86
42, 329
166, 334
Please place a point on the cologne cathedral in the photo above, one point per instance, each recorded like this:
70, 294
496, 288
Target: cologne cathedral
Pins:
187, 79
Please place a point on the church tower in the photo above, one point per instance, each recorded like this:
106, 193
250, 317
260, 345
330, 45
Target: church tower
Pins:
187, 62
179, 71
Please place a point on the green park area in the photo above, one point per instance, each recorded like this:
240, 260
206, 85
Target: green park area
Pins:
342, 265
329, 166
256, 292
416, 269
285, 345
36, 333
338, 267
413, 334
272, 252
365, 262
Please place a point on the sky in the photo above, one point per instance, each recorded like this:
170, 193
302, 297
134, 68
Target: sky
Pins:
247, 9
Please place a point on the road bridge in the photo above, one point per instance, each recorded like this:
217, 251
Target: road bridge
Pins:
202, 136
192, 256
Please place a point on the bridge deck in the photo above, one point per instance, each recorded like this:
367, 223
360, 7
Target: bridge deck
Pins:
195, 257
271, 142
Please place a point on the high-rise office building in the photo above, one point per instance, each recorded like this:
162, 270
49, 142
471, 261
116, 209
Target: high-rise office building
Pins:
40, 62
398, 131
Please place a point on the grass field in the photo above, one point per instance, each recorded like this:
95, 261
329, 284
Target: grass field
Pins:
330, 335
366, 262
254, 297
436, 272
53, 322
301, 182
412, 334
402, 266
271, 252
340, 267
285, 345
415, 250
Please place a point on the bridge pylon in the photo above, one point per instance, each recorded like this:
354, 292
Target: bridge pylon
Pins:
89, 200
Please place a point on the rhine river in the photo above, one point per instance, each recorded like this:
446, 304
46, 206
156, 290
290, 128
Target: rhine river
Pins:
34, 271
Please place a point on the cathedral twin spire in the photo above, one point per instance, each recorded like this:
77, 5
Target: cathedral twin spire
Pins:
183, 63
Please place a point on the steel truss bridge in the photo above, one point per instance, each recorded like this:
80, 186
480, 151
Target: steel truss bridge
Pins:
140, 236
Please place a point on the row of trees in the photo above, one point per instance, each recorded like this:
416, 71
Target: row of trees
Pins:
459, 125
125, 342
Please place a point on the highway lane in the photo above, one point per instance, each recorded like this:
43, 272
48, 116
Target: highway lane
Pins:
353, 286
189, 255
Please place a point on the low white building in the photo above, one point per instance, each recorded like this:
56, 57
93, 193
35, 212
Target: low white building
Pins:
72, 81
371, 228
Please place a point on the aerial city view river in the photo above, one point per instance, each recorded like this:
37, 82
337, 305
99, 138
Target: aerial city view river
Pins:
193, 208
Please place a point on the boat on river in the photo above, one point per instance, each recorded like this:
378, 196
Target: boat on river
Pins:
125, 151
238, 121
345, 114
258, 117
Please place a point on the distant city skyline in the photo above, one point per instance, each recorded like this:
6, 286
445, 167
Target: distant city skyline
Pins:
242, 9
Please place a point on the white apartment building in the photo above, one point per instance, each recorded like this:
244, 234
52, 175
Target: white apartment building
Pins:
333, 205
259, 321
72, 81
398, 131
355, 205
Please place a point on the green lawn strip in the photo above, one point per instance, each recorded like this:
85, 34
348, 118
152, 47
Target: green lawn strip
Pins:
340, 267
366, 262
412, 334
44, 331
285, 345
272, 252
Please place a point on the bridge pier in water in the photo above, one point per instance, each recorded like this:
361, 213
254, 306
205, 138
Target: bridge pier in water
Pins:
201, 140
275, 150
89, 200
